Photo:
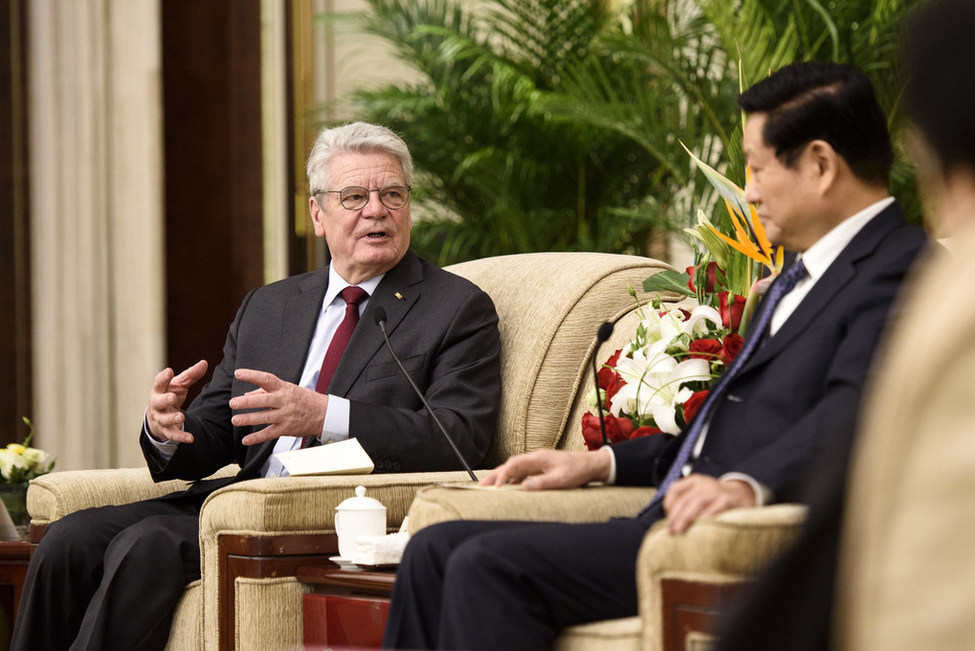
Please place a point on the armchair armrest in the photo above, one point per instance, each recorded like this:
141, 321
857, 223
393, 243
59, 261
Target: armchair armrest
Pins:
55, 495
261, 531
436, 504
696, 571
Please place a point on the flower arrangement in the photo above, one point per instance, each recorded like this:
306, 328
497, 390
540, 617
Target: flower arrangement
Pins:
656, 383
19, 463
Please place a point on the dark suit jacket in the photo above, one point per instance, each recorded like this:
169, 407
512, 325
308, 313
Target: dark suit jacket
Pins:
807, 379
443, 328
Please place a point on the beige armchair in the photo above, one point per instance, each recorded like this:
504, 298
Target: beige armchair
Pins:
682, 581
255, 534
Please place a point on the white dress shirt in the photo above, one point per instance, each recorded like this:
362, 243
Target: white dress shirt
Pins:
336, 424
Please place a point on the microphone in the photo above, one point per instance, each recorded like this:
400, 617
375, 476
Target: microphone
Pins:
605, 330
381, 322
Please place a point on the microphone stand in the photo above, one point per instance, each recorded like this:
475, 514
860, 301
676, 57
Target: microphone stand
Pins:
605, 330
381, 322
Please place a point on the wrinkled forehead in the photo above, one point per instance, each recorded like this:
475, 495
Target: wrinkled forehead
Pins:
369, 170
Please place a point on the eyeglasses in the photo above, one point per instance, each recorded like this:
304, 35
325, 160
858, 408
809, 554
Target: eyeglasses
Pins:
355, 197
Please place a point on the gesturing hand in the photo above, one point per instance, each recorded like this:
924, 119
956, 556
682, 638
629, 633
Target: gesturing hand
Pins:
286, 408
547, 469
166, 398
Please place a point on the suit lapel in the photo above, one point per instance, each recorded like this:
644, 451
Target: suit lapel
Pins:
299, 318
397, 293
837, 277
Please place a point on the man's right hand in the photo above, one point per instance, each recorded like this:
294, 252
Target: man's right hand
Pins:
550, 469
163, 414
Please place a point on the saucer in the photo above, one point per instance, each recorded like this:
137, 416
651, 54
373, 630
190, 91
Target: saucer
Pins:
341, 561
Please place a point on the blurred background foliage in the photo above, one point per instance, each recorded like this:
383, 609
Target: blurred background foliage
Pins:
555, 125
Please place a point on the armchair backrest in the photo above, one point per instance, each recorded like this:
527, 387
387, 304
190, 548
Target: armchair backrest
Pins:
550, 306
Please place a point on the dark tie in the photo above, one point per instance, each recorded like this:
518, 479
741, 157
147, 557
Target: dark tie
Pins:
783, 286
352, 297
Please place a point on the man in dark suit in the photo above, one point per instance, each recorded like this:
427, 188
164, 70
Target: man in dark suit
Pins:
296, 370
798, 601
817, 144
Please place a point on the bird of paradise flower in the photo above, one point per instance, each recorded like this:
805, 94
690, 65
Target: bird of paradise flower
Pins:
749, 235
745, 257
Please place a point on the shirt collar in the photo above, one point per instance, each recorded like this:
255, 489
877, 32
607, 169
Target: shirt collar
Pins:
337, 283
821, 255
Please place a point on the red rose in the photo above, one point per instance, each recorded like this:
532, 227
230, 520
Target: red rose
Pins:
609, 380
591, 433
709, 349
731, 348
618, 429
606, 371
692, 404
731, 313
646, 430
712, 273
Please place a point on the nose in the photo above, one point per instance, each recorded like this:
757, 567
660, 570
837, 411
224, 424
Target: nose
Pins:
751, 193
374, 207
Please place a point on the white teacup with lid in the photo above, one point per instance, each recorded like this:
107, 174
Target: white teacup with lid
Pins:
356, 517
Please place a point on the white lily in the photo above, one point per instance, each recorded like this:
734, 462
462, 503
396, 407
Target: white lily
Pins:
655, 386
699, 315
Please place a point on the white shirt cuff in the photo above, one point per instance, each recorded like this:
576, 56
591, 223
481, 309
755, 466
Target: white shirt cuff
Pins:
612, 465
164, 449
336, 425
763, 494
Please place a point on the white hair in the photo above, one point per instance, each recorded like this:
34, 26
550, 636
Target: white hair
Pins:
357, 137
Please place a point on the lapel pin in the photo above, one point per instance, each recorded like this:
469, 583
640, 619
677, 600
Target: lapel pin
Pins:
398, 295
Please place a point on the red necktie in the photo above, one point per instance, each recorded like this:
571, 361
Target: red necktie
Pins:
352, 297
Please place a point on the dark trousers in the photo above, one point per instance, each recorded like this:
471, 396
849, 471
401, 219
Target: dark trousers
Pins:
511, 585
110, 577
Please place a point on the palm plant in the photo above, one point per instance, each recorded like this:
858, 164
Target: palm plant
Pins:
545, 125
705, 51
499, 172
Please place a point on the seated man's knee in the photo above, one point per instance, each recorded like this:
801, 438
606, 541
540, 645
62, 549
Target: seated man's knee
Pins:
438, 540
72, 542
472, 556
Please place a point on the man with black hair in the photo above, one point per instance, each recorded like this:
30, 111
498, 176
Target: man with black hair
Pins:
885, 559
820, 154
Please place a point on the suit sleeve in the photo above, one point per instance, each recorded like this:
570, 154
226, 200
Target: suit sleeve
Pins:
208, 419
461, 381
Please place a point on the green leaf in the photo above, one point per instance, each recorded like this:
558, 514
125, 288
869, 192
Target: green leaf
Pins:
668, 281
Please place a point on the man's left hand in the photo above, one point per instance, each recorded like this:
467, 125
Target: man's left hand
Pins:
700, 496
286, 408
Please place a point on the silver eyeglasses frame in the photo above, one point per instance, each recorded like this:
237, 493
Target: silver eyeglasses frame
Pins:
355, 197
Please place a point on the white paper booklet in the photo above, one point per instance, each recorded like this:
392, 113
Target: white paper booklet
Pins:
340, 458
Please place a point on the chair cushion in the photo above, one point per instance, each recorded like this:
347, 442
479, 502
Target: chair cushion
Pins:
591, 504
608, 635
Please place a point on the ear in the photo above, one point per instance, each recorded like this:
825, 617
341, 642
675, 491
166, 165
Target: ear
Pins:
824, 162
317, 216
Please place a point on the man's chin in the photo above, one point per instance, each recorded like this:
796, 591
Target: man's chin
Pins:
380, 259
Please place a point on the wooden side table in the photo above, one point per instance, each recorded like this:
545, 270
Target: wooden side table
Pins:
348, 607
14, 557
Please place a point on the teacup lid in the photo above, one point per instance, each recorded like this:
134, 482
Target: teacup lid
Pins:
360, 502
